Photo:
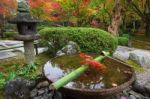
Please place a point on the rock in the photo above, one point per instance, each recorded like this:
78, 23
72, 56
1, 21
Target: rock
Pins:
147, 87
142, 83
17, 89
57, 95
141, 57
137, 95
69, 49
47, 96
122, 53
38, 97
30, 84
132, 97
123, 97
60, 53
43, 84
41, 91
130, 94
33, 93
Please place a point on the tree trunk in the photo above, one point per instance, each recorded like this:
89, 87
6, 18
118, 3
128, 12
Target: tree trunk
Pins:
2, 30
147, 29
116, 18
147, 24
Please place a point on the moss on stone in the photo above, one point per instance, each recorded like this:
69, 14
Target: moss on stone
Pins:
135, 66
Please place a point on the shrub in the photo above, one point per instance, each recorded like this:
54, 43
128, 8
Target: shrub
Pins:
126, 35
40, 28
10, 33
123, 41
90, 40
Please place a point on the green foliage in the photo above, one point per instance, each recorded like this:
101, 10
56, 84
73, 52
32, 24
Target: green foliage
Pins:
2, 80
40, 28
123, 41
27, 71
126, 35
9, 34
37, 12
90, 40
12, 75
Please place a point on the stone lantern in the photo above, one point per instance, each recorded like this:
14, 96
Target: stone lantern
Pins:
26, 26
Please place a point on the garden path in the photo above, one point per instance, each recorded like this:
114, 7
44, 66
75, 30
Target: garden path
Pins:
7, 48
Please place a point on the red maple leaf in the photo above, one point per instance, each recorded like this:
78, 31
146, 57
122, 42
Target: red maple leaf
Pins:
83, 55
93, 63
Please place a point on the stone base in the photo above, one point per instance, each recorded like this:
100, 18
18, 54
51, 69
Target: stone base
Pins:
27, 37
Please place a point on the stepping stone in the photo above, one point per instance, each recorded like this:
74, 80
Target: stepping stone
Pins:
141, 57
122, 53
10, 42
4, 55
142, 83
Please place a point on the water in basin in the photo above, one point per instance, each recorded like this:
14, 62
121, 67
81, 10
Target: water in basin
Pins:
115, 74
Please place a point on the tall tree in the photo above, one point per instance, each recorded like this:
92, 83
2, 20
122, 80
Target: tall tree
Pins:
142, 9
80, 12
116, 18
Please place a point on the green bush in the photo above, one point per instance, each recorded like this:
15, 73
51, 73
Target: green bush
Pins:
41, 27
10, 33
90, 40
123, 41
126, 35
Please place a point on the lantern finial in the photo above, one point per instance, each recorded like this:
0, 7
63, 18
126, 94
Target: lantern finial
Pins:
23, 7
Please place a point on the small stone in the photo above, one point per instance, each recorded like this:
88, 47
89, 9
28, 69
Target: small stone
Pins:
137, 95
60, 53
41, 91
31, 84
125, 93
46, 90
123, 97
114, 85
47, 96
38, 97
132, 97
69, 49
43, 84
57, 95
147, 87
33, 93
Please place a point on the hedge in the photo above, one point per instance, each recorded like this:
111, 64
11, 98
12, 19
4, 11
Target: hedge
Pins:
123, 41
90, 40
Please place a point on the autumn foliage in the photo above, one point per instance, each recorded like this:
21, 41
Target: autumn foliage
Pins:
45, 9
88, 60
7, 7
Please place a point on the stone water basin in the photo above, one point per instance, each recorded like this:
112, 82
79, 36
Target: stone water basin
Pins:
93, 84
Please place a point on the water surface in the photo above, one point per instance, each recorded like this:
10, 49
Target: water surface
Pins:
115, 74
